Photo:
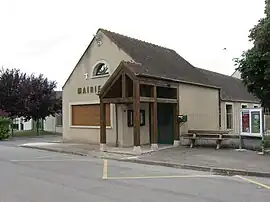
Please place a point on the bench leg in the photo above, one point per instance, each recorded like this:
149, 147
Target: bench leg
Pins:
192, 143
218, 143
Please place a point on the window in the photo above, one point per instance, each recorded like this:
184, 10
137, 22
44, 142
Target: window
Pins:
16, 124
256, 106
229, 116
101, 69
88, 115
244, 106
130, 117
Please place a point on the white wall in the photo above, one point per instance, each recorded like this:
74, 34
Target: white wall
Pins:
27, 125
49, 124
113, 55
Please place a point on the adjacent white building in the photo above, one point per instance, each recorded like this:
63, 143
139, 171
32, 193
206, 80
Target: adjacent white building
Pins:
236, 74
51, 123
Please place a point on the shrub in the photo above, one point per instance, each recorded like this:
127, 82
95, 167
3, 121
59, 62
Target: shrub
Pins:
267, 141
4, 127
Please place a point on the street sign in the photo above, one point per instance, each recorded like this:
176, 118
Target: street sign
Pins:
251, 122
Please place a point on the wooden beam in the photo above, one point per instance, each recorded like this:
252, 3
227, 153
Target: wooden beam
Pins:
147, 99
155, 82
136, 113
167, 100
111, 80
118, 100
109, 85
102, 123
154, 125
175, 114
124, 92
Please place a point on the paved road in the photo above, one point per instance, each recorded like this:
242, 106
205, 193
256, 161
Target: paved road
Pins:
32, 175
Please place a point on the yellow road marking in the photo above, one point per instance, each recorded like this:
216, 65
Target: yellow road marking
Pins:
160, 177
105, 169
253, 182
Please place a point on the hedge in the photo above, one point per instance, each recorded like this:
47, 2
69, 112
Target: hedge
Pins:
4, 127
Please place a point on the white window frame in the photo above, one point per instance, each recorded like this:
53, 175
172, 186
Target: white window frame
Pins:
95, 65
90, 127
256, 105
244, 104
232, 104
250, 123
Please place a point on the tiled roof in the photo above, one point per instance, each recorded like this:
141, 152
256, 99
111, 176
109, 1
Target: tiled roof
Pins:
158, 61
165, 63
232, 89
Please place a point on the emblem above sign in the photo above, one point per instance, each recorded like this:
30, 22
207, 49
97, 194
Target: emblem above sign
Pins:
86, 76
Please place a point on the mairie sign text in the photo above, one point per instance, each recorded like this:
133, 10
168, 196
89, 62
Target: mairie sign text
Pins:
89, 89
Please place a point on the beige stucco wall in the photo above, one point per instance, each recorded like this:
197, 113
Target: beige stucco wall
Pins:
126, 133
109, 52
236, 115
201, 105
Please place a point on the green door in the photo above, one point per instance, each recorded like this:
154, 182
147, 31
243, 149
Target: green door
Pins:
165, 123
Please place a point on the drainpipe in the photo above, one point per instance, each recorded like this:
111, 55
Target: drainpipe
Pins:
116, 127
219, 109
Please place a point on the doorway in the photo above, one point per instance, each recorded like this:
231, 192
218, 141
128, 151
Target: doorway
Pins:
165, 123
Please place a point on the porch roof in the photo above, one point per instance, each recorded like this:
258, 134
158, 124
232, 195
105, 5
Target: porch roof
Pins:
136, 71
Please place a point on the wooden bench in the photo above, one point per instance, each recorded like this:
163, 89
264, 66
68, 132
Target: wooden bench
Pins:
217, 135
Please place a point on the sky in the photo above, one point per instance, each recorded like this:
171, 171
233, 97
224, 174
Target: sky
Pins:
49, 36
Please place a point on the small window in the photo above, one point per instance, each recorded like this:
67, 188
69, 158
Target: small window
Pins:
244, 106
256, 106
101, 69
130, 117
229, 116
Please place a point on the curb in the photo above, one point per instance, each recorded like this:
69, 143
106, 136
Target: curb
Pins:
212, 170
54, 150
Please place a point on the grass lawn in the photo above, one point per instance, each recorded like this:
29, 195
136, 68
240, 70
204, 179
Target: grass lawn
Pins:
29, 133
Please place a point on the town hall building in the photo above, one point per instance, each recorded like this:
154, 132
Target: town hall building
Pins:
126, 92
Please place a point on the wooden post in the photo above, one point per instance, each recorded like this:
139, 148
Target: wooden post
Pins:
124, 85
102, 123
136, 113
176, 124
154, 126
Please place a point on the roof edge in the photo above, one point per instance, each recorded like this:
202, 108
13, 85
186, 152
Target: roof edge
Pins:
80, 59
178, 81
242, 101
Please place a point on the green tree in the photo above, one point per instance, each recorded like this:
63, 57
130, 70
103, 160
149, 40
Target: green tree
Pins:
41, 99
254, 64
11, 87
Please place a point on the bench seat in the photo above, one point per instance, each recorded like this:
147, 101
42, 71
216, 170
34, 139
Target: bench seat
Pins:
217, 135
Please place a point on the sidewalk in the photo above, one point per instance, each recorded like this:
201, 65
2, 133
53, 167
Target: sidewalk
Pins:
223, 161
80, 149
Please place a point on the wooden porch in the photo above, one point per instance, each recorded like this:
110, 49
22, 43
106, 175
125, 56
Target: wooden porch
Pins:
124, 87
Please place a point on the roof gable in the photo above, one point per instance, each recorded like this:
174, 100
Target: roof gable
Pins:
126, 67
